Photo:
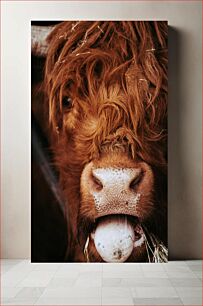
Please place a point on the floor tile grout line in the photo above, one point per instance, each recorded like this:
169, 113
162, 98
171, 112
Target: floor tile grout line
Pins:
47, 285
177, 292
27, 261
14, 266
16, 286
191, 272
174, 287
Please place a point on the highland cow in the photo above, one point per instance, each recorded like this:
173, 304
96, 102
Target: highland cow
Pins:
106, 87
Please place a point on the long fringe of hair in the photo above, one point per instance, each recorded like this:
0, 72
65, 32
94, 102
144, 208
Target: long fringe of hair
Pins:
127, 62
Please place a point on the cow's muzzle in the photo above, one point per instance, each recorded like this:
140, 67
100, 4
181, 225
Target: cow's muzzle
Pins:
114, 190
111, 196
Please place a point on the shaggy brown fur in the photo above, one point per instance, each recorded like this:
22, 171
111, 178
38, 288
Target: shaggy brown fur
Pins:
106, 83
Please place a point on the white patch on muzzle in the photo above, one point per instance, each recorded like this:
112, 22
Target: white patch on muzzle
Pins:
115, 197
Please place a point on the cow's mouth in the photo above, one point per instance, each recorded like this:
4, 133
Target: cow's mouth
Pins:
115, 237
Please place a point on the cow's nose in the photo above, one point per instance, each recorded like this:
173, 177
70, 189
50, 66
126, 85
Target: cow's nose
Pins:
114, 190
120, 179
96, 181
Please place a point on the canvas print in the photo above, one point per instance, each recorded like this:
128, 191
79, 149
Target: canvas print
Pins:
99, 141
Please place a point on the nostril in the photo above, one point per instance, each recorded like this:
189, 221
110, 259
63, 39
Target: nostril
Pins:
97, 184
135, 182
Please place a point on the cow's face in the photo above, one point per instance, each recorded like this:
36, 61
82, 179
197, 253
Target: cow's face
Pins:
113, 182
101, 105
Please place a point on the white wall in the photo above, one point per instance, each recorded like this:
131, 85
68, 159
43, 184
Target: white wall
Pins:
184, 225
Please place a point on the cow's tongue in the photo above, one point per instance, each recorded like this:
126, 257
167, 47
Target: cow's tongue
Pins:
114, 238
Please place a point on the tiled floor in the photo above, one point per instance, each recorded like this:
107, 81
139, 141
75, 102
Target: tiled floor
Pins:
174, 283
